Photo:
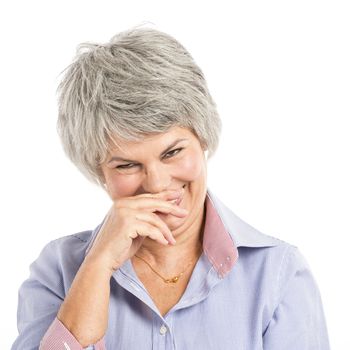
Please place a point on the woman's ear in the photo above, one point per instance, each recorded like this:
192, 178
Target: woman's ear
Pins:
206, 154
102, 179
205, 149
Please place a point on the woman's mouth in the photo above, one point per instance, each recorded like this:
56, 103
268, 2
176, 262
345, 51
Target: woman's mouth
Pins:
176, 201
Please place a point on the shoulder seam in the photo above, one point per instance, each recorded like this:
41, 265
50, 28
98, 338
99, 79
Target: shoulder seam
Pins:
79, 238
74, 235
286, 257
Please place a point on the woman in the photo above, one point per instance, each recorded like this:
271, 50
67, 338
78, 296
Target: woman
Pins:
170, 267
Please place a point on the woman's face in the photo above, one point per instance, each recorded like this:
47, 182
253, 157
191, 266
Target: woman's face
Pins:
169, 160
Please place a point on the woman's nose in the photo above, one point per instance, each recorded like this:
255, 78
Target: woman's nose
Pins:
157, 179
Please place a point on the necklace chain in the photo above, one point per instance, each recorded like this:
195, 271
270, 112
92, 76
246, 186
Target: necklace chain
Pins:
166, 280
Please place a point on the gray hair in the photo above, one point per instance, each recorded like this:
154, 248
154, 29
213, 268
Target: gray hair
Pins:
141, 82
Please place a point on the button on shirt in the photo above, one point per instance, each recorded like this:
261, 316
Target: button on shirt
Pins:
247, 291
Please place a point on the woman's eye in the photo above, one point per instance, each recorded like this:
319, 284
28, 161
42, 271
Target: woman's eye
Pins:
126, 166
173, 152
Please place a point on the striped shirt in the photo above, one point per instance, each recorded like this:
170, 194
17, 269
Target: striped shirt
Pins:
248, 291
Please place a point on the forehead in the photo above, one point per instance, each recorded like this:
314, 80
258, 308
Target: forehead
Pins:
150, 142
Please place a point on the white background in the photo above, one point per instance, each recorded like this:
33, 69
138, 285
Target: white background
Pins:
279, 73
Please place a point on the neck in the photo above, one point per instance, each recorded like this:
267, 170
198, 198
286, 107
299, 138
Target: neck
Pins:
188, 246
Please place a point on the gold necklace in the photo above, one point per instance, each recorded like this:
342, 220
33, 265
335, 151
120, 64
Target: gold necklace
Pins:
166, 280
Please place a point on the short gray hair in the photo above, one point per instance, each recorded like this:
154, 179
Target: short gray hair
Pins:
141, 82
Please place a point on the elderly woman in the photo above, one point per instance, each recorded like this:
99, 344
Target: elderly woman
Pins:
170, 266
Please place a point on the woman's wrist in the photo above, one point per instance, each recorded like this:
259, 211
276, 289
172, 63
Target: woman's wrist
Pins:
100, 264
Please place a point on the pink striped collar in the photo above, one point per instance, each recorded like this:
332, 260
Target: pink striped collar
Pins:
218, 245
225, 232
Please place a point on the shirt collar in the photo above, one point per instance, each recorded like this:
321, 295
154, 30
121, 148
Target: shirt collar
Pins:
224, 233
242, 234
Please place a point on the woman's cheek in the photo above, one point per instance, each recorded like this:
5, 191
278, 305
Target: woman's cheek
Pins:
190, 168
121, 185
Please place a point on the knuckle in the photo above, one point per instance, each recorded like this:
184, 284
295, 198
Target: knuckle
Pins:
156, 218
172, 205
155, 232
153, 229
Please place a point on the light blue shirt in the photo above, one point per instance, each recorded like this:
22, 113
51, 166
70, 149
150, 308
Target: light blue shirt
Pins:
248, 291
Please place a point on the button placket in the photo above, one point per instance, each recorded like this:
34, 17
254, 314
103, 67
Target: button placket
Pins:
162, 332
163, 329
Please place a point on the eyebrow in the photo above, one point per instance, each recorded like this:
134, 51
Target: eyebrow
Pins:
134, 161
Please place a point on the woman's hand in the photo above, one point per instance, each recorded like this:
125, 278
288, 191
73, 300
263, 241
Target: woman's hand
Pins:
129, 221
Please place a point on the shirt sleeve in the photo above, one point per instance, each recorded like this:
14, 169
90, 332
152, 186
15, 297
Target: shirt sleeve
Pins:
298, 321
39, 300
59, 337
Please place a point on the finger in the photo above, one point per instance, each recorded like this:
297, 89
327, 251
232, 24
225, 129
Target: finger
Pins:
170, 208
153, 219
153, 205
167, 194
145, 229
139, 200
